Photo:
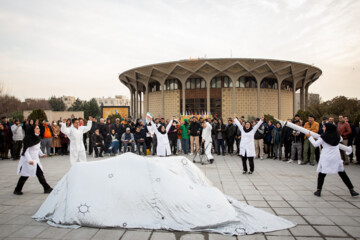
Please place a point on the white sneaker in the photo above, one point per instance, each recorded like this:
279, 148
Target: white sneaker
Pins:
261, 158
299, 162
290, 161
190, 154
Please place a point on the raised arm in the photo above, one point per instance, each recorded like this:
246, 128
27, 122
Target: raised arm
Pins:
316, 143
154, 128
169, 126
87, 128
257, 125
64, 129
238, 124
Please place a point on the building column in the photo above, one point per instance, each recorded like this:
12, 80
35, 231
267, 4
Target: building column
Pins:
294, 99
279, 100
183, 98
136, 102
162, 100
258, 97
208, 96
131, 102
302, 97
141, 108
306, 96
146, 106
234, 97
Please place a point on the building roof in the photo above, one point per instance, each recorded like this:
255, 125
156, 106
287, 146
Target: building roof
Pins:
298, 73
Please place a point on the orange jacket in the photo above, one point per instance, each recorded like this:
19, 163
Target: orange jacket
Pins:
314, 127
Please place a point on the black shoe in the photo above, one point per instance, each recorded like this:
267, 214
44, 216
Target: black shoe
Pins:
304, 163
223, 154
317, 193
218, 154
211, 161
48, 190
96, 156
250, 172
18, 192
353, 193
101, 155
312, 164
244, 172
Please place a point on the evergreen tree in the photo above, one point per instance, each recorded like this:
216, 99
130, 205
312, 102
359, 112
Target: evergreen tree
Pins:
57, 104
37, 114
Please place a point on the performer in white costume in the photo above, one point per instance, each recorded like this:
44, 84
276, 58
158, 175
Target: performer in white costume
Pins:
29, 164
247, 144
207, 140
75, 134
131, 191
163, 145
330, 160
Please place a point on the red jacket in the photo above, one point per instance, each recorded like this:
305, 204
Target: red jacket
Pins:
344, 129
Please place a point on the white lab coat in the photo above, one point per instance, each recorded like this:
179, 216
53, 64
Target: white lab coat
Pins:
77, 148
163, 145
206, 136
247, 145
31, 154
330, 158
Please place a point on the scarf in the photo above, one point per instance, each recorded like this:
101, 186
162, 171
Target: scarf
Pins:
30, 140
247, 130
159, 129
331, 136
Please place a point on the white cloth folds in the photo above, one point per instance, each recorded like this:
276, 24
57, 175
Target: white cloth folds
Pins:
132, 191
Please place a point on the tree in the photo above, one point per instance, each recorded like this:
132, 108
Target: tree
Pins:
57, 104
114, 116
78, 105
37, 114
269, 117
17, 115
91, 108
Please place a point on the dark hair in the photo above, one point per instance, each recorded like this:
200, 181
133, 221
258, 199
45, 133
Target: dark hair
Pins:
312, 116
16, 120
74, 119
297, 121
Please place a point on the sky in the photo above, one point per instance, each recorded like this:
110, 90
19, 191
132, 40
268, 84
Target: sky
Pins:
78, 48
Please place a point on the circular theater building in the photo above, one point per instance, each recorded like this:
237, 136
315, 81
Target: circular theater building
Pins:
248, 87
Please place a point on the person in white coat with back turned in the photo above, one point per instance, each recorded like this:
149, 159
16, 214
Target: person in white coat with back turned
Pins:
75, 134
163, 145
207, 140
247, 143
330, 159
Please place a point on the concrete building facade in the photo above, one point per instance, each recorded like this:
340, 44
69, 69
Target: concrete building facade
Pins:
118, 100
249, 87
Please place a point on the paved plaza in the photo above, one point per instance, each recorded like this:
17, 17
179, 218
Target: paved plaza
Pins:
277, 187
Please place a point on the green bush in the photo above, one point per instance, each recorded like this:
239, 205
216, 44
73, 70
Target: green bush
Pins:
38, 114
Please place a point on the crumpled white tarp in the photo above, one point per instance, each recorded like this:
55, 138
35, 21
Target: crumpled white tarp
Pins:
130, 191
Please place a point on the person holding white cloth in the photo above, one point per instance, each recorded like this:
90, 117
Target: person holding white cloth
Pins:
75, 133
29, 164
207, 140
247, 144
330, 159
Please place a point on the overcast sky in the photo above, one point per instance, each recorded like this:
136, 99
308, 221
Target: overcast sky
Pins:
78, 48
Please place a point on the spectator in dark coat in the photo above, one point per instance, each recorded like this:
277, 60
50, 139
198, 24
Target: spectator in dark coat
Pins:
230, 136
97, 142
221, 136
7, 138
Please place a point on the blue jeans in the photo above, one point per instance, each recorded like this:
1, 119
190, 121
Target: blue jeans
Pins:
128, 144
185, 145
144, 147
220, 143
114, 147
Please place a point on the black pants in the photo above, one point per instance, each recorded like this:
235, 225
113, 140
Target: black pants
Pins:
17, 149
173, 146
237, 145
343, 175
40, 176
251, 163
270, 148
154, 144
96, 149
287, 146
230, 145
64, 148
148, 141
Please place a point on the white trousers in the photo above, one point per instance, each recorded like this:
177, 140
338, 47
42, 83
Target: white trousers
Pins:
207, 147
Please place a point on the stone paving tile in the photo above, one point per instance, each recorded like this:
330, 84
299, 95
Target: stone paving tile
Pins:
133, 234
53, 233
28, 231
305, 231
213, 236
319, 220
108, 234
352, 231
252, 237
194, 236
163, 236
279, 233
280, 238
7, 230
81, 233
333, 231
285, 211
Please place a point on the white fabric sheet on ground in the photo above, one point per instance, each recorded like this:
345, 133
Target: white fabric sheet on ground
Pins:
131, 191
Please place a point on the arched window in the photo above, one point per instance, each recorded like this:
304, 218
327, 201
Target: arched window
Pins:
228, 82
246, 82
171, 84
216, 82
194, 83
270, 83
154, 86
286, 85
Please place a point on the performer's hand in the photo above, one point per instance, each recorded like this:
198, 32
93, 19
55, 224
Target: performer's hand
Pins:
64, 120
43, 156
234, 116
90, 118
262, 118
202, 140
31, 162
308, 135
